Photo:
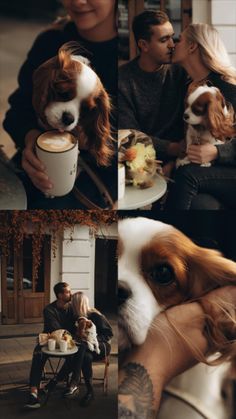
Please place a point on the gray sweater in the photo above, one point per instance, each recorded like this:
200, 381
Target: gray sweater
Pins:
152, 103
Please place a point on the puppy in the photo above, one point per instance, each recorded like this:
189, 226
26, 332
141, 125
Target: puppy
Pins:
209, 120
86, 330
160, 267
69, 96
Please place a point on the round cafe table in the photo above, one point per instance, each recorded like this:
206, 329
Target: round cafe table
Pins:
135, 198
57, 354
12, 192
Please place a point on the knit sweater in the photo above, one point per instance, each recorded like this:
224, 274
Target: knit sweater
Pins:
57, 318
152, 102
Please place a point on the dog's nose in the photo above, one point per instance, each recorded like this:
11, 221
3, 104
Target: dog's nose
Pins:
124, 292
186, 116
67, 118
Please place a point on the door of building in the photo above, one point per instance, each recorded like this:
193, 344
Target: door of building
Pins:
23, 298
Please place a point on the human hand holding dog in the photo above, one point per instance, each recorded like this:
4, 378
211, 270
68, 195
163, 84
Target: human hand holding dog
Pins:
202, 153
146, 370
32, 165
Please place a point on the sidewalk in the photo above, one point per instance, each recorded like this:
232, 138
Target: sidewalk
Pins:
15, 361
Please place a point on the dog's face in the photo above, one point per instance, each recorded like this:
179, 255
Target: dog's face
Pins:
67, 84
206, 107
200, 102
83, 327
160, 267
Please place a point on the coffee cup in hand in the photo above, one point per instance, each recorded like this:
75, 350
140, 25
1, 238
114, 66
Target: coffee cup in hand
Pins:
51, 344
58, 151
63, 345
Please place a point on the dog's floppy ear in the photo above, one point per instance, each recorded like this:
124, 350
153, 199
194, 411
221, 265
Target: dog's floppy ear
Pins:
219, 118
208, 269
94, 120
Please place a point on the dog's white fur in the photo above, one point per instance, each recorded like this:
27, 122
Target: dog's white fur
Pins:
86, 84
136, 315
193, 135
92, 339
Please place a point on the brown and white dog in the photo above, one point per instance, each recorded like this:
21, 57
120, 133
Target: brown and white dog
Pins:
209, 119
69, 96
86, 330
160, 267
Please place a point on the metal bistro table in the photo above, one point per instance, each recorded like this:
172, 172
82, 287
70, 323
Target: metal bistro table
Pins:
58, 354
135, 198
12, 192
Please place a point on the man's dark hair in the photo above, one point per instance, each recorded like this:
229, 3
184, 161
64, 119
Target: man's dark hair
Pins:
142, 23
59, 288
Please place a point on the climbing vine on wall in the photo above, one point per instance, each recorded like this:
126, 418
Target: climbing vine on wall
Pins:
15, 225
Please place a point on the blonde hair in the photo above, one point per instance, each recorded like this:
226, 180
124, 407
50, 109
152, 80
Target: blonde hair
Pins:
80, 305
212, 50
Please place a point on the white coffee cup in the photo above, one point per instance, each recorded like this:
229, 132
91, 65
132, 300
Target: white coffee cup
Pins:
51, 344
63, 345
58, 151
121, 181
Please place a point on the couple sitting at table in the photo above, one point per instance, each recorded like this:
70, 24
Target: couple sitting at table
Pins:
62, 314
152, 89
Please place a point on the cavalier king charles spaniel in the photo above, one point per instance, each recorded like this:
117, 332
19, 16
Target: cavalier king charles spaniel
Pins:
69, 96
86, 330
209, 120
160, 267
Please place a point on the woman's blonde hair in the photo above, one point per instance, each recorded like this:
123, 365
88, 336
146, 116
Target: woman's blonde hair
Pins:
212, 50
80, 305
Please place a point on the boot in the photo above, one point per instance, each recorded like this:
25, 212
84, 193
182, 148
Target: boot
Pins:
89, 396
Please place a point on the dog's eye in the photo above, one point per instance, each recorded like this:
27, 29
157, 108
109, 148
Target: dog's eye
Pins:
162, 274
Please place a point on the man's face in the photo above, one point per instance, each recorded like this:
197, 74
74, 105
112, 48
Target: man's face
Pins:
159, 48
66, 295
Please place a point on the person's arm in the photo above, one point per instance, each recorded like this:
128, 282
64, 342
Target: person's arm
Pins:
104, 330
148, 368
21, 121
224, 154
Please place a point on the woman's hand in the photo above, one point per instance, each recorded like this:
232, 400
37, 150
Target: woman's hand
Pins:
202, 153
32, 165
148, 368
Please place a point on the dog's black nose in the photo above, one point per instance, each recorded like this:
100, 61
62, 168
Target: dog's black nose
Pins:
124, 292
67, 118
186, 116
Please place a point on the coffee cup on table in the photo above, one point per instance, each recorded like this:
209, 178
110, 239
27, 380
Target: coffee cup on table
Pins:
51, 344
58, 151
63, 345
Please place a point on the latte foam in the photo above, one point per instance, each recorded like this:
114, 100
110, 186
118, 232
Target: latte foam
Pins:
56, 141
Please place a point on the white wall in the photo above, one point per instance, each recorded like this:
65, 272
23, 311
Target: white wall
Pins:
75, 259
221, 14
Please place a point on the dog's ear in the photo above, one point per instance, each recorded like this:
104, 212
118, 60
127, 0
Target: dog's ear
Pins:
94, 120
220, 119
208, 269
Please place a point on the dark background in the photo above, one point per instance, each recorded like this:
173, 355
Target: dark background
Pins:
213, 229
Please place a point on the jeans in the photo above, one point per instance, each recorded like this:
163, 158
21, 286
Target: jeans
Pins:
82, 360
38, 361
216, 185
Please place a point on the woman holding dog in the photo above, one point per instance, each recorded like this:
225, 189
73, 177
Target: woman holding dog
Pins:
91, 23
203, 55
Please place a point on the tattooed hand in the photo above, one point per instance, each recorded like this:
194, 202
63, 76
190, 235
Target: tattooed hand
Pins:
136, 393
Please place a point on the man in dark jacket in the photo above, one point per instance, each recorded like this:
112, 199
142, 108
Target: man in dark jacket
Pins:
57, 315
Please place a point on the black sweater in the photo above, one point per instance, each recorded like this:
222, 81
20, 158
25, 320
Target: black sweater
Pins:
57, 318
152, 103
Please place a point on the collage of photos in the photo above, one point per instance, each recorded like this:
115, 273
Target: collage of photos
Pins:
118, 209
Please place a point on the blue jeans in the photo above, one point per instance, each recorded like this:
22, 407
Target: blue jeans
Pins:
199, 187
